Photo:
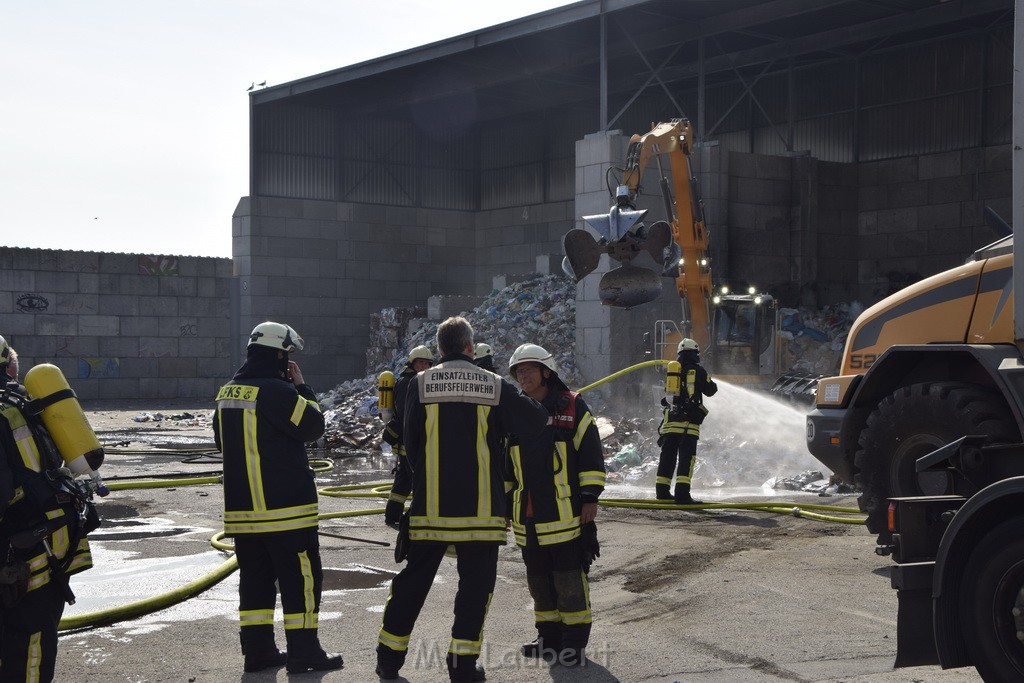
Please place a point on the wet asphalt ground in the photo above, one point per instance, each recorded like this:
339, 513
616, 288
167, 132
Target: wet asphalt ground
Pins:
694, 597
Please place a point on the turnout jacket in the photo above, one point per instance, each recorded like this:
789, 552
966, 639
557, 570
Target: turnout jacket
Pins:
456, 415
551, 474
686, 411
261, 427
28, 500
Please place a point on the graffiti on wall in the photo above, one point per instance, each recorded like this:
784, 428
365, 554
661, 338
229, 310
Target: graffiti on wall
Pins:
158, 265
98, 367
32, 303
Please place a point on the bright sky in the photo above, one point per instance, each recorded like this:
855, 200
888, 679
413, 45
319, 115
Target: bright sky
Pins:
124, 124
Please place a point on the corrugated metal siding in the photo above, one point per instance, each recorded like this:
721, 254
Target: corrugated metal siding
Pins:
512, 143
998, 115
294, 152
512, 164
830, 138
514, 186
561, 181
919, 127
449, 189
376, 183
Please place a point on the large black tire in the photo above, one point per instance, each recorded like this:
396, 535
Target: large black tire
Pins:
990, 592
912, 422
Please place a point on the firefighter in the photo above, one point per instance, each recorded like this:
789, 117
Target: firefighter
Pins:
419, 359
483, 356
44, 518
680, 426
455, 415
554, 481
265, 416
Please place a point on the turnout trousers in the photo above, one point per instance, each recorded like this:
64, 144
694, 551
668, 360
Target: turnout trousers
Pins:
683, 447
478, 568
290, 560
560, 592
28, 635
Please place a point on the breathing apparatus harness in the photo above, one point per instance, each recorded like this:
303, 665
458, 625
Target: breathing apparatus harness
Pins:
55, 486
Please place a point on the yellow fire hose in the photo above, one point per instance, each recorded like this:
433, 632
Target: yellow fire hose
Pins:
381, 490
620, 373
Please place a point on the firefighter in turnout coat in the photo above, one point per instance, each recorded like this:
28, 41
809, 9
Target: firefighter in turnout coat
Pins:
265, 416
680, 426
420, 358
555, 480
44, 519
455, 417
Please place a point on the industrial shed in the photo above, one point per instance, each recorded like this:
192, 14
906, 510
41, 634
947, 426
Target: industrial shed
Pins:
845, 149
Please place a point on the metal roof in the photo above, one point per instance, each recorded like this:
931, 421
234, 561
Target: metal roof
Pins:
554, 58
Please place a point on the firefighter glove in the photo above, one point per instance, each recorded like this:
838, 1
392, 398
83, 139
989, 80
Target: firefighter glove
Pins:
393, 513
590, 549
402, 540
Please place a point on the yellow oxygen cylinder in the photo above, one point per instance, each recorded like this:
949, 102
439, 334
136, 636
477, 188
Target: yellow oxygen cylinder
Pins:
674, 378
386, 395
63, 417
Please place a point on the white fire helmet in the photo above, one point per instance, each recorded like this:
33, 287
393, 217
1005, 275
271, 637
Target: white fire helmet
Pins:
531, 353
276, 336
687, 345
421, 353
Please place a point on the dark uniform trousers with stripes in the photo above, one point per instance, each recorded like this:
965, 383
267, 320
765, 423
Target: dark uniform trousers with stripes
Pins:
291, 560
29, 635
477, 565
560, 592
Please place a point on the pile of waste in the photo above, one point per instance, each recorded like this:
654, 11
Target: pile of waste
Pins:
177, 419
541, 310
814, 339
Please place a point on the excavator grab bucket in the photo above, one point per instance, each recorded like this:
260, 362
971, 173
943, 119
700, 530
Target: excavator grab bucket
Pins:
659, 237
628, 286
582, 253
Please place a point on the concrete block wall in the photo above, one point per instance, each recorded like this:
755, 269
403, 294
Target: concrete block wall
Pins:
325, 267
920, 215
120, 326
509, 241
761, 245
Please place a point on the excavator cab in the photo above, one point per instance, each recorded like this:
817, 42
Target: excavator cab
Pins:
744, 333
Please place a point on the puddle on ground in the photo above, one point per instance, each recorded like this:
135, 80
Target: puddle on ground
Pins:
355, 577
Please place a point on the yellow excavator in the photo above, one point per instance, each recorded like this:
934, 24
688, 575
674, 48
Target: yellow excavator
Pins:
736, 330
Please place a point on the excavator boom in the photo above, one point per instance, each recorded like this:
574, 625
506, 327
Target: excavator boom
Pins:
679, 245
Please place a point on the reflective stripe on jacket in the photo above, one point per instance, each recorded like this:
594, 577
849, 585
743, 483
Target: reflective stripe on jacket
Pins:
454, 423
555, 471
29, 501
697, 385
261, 427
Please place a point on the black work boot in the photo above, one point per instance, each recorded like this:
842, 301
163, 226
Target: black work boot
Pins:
683, 497
574, 643
465, 668
259, 649
388, 662
305, 653
661, 492
547, 644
